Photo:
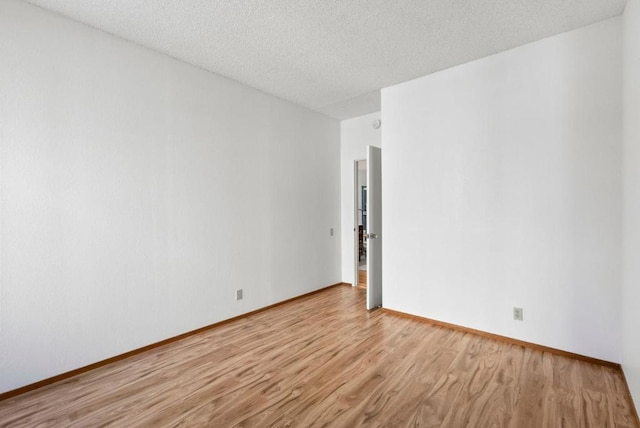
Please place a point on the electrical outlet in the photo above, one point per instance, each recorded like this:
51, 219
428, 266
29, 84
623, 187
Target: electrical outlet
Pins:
331, 231
517, 313
239, 294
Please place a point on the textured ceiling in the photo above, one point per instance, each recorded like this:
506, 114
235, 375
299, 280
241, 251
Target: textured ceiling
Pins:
332, 56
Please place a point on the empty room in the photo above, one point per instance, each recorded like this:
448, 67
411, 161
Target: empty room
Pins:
320, 213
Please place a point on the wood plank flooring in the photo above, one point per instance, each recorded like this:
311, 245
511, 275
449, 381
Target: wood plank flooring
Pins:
324, 360
362, 279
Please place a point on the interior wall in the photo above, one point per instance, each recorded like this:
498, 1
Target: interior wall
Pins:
631, 247
355, 135
502, 188
138, 193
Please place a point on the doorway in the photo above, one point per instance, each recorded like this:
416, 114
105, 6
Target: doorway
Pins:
368, 226
360, 222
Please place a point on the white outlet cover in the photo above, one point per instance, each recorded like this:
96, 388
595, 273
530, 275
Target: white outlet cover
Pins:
518, 314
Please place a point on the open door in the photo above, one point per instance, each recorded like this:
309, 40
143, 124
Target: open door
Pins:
374, 227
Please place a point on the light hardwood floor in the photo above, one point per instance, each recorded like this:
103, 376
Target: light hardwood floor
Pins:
324, 360
362, 278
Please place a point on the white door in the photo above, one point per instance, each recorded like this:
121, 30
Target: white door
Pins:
374, 228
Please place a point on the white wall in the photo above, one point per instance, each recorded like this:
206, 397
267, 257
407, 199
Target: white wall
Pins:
631, 225
138, 193
355, 135
518, 198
